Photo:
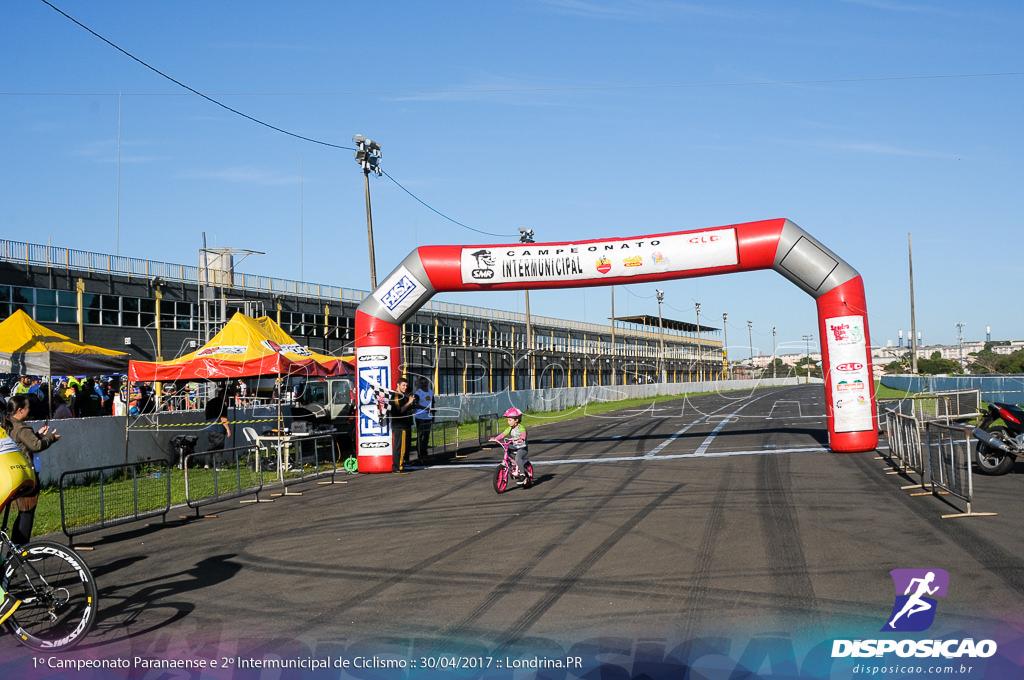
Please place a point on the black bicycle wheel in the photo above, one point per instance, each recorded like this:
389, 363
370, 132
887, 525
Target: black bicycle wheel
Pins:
500, 478
57, 593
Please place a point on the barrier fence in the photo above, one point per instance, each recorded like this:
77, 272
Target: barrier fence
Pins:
444, 438
922, 438
487, 427
214, 476
98, 498
949, 464
102, 497
904, 434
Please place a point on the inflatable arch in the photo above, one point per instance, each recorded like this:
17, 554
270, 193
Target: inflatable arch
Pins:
770, 244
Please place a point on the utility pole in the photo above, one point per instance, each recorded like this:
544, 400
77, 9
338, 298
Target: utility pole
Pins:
750, 339
368, 156
913, 323
773, 351
807, 346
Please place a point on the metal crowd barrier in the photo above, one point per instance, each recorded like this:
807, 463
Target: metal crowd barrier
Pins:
904, 435
98, 498
949, 464
315, 457
487, 427
213, 476
444, 437
959, 403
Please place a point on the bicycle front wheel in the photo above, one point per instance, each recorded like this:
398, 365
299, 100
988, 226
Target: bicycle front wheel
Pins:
57, 593
501, 478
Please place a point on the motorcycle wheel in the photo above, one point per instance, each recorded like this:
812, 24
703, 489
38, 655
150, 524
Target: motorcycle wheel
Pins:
991, 461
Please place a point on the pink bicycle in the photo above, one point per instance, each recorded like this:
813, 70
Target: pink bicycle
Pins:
507, 470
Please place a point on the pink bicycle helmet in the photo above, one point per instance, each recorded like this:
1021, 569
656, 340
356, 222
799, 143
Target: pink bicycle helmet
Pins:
513, 413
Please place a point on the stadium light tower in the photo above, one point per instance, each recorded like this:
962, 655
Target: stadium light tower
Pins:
368, 156
526, 236
661, 335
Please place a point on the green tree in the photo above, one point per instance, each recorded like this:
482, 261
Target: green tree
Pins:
936, 364
1011, 363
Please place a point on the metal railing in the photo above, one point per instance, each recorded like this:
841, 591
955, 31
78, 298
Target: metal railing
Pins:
487, 427
444, 438
904, 434
949, 464
97, 498
214, 476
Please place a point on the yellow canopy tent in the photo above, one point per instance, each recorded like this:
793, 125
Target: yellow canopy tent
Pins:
29, 348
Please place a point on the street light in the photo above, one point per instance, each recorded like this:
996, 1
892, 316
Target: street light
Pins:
725, 343
526, 236
661, 335
700, 368
750, 338
807, 347
368, 156
773, 351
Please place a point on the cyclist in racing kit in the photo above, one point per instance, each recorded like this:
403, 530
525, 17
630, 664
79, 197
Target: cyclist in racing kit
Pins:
516, 435
16, 478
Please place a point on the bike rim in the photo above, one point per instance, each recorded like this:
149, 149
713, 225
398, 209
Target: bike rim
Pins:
58, 597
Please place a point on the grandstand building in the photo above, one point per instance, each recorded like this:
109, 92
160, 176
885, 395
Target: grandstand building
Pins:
158, 311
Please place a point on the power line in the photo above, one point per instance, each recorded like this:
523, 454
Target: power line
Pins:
250, 118
417, 198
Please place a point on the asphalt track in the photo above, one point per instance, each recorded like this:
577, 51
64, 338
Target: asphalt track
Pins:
715, 532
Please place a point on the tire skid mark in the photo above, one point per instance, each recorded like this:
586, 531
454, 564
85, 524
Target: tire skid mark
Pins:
697, 591
508, 584
534, 613
787, 565
403, 575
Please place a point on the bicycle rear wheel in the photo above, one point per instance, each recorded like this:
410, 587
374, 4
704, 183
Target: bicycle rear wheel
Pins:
57, 593
528, 469
501, 478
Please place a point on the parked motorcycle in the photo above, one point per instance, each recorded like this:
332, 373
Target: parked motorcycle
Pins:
999, 445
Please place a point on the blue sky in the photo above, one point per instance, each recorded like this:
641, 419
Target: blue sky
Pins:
861, 121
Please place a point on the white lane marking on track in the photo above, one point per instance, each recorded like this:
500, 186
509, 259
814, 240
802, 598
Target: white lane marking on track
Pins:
714, 433
633, 459
657, 449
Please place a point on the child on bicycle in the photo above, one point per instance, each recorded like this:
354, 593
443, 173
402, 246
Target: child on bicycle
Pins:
516, 435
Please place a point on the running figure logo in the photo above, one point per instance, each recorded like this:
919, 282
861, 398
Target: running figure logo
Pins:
914, 609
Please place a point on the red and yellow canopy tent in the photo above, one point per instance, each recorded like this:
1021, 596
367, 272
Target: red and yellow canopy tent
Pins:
245, 347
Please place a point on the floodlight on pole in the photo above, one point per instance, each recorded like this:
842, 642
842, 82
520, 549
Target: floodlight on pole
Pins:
725, 343
526, 236
750, 339
661, 336
368, 157
700, 368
